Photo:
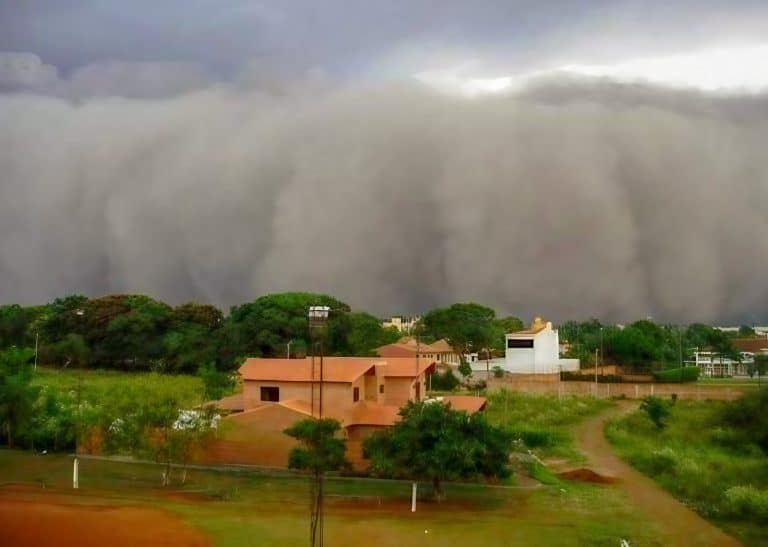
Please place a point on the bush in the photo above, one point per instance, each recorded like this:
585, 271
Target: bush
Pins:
749, 415
539, 438
747, 502
445, 381
684, 374
656, 409
498, 372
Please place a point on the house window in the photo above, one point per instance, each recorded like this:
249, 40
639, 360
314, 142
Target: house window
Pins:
270, 394
514, 343
355, 394
381, 388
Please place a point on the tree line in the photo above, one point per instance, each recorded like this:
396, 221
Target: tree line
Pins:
646, 345
136, 332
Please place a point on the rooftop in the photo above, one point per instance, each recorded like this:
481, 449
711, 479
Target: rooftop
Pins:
536, 327
335, 369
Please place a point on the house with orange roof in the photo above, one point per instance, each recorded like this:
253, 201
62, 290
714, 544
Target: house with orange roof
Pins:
440, 351
363, 393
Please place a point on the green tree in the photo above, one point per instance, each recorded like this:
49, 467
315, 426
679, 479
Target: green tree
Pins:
366, 334
215, 382
746, 331
466, 326
70, 351
433, 442
320, 450
265, 326
17, 394
156, 427
501, 327
14, 324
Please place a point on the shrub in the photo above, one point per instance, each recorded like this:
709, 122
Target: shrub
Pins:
747, 502
498, 372
445, 381
656, 409
539, 438
749, 415
684, 374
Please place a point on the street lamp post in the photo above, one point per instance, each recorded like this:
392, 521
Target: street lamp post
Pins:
318, 316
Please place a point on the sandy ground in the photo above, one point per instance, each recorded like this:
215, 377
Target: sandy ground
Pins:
43, 519
678, 524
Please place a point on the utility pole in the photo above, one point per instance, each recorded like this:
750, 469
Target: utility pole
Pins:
596, 350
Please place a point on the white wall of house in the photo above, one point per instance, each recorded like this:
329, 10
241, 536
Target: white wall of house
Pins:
542, 358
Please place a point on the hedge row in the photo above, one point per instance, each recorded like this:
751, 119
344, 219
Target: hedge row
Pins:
684, 374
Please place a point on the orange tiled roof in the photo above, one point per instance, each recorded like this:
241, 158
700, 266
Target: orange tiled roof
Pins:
403, 367
442, 346
752, 345
297, 405
409, 344
365, 413
234, 403
335, 369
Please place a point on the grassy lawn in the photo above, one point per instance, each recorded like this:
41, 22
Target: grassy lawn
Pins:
701, 463
237, 509
544, 422
97, 384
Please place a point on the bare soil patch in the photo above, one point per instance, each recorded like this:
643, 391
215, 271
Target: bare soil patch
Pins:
587, 475
30, 518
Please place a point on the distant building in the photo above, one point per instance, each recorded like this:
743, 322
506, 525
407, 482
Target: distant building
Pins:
441, 351
401, 322
536, 350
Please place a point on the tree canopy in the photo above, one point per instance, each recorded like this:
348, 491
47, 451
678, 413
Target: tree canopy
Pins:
467, 326
436, 443
17, 394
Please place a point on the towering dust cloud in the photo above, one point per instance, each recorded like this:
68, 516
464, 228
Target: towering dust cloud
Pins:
566, 200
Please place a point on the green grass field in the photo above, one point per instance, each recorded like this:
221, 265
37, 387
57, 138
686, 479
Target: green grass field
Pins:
96, 384
697, 460
544, 422
241, 509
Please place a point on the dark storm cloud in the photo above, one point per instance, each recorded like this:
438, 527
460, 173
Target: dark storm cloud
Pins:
568, 200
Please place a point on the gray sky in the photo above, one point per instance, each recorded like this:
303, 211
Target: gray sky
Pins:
566, 158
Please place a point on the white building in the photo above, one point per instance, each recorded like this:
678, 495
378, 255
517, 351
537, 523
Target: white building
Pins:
401, 322
536, 351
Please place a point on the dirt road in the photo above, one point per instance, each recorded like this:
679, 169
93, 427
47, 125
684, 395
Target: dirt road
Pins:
678, 525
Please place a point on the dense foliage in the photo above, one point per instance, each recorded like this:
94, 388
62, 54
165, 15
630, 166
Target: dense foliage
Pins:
17, 394
436, 443
136, 332
643, 345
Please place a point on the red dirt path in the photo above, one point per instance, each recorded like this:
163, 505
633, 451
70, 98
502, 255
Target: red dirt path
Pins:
37, 519
678, 524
